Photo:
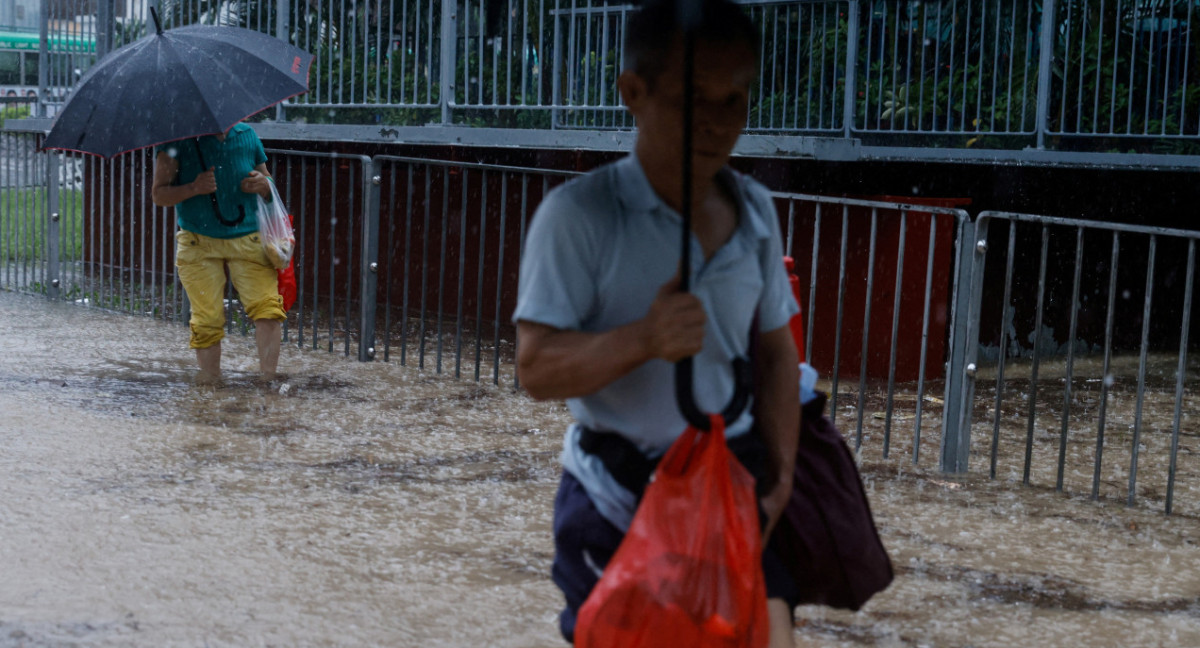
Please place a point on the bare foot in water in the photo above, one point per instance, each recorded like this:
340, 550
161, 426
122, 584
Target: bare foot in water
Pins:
207, 379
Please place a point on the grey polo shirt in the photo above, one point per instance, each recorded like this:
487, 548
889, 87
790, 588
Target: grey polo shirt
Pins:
598, 250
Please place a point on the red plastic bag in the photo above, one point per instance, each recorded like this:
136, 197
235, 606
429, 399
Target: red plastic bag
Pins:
287, 286
689, 571
287, 279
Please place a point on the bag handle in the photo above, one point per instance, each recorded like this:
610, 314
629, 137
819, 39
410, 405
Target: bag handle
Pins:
692, 441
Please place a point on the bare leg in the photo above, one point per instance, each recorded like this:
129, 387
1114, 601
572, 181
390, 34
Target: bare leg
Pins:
781, 624
267, 334
209, 359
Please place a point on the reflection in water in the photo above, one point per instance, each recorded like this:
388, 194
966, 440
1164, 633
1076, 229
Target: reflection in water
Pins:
370, 504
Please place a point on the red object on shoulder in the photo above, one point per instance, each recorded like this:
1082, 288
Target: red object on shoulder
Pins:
797, 321
689, 571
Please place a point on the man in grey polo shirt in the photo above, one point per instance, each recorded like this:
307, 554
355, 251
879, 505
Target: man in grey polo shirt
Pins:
600, 319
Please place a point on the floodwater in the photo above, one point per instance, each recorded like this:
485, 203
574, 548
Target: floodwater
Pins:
372, 504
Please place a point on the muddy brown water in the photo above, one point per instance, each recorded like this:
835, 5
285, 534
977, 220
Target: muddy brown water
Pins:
378, 505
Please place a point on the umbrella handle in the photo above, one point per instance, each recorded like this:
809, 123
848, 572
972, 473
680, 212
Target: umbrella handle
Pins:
213, 196
742, 371
683, 369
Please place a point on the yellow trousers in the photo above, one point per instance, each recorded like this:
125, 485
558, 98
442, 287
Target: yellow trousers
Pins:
202, 261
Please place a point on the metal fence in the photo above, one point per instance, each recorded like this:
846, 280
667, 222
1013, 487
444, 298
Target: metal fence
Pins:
1038, 345
1071, 75
416, 261
452, 237
334, 203
1085, 355
84, 230
878, 284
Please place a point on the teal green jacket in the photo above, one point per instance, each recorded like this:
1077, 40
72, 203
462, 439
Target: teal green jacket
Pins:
233, 160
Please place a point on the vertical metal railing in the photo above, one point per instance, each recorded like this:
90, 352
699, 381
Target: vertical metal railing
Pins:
949, 66
369, 266
588, 44
894, 337
73, 34
1123, 69
23, 214
333, 200
1090, 384
950, 73
127, 240
451, 240
804, 58
84, 230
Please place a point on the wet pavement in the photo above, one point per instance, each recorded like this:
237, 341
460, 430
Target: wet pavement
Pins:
357, 504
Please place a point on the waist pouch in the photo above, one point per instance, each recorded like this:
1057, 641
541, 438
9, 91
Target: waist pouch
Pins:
632, 469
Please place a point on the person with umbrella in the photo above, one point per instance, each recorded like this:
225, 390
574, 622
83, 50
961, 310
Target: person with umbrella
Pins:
215, 209
600, 316
187, 91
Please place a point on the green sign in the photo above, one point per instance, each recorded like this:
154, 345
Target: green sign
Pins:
59, 43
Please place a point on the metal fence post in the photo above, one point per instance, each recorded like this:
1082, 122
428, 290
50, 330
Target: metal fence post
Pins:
53, 280
369, 273
282, 32
960, 367
851, 97
1045, 59
104, 28
449, 52
43, 61
556, 72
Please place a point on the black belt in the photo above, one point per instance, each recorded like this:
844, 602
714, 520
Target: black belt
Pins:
632, 469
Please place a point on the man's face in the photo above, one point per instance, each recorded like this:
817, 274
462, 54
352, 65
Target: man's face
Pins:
723, 73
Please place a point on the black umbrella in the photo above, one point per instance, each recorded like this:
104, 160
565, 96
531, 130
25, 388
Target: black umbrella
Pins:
176, 84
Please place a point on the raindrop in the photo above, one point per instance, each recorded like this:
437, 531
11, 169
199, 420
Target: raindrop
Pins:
1124, 294
337, 261
333, 221
916, 190
1109, 380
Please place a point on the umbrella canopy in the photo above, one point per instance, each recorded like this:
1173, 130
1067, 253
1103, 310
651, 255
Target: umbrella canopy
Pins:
176, 84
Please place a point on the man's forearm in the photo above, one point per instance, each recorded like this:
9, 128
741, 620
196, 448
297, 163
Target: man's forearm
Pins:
778, 412
779, 416
569, 364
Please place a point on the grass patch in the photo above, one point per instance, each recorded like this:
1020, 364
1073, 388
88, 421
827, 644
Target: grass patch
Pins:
24, 220
14, 111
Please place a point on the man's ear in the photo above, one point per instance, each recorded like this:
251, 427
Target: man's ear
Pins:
633, 90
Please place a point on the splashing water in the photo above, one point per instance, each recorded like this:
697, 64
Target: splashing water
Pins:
372, 504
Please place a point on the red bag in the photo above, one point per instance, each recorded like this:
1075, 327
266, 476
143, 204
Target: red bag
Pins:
287, 279
689, 571
287, 285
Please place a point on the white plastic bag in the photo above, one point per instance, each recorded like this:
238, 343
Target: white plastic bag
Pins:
275, 230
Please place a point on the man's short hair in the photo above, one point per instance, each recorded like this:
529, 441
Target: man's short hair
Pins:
651, 32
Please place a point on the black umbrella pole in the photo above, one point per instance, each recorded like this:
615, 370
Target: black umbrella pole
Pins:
683, 368
212, 196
